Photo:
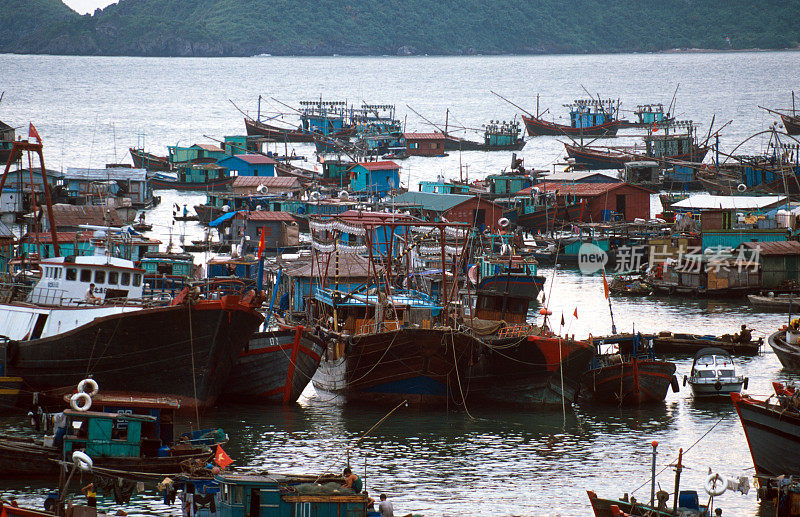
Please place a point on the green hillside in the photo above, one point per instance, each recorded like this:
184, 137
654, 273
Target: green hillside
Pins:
323, 27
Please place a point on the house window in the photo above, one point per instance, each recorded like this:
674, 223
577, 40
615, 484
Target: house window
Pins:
86, 275
126, 279
99, 277
72, 273
267, 230
113, 278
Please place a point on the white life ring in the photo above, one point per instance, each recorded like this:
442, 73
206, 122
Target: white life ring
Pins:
711, 484
503, 222
344, 194
314, 195
92, 386
742, 187
80, 406
82, 460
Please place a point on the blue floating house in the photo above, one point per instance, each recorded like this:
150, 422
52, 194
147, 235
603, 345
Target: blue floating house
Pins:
249, 165
374, 178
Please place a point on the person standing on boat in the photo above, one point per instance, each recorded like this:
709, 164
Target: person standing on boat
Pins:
385, 507
352, 481
745, 336
90, 296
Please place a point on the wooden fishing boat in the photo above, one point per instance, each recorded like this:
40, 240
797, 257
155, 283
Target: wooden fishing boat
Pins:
773, 435
632, 379
150, 162
599, 158
497, 136
785, 345
275, 366
299, 135
588, 117
632, 284
679, 343
776, 302
120, 441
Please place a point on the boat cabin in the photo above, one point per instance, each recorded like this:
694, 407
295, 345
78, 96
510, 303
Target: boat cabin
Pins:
649, 114
503, 133
120, 435
713, 374
324, 117
252, 495
584, 113
66, 280
201, 173
167, 270
374, 178
505, 287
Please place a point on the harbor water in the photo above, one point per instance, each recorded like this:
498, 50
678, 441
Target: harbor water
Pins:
467, 461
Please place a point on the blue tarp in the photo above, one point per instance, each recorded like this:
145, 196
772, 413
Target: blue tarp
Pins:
223, 218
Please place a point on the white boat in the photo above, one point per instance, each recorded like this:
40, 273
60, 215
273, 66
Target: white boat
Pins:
714, 374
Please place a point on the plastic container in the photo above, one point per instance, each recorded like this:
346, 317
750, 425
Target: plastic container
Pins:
163, 452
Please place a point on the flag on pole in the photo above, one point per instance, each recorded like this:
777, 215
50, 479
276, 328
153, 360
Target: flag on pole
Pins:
605, 284
221, 458
261, 244
575, 313
32, 133
562, 319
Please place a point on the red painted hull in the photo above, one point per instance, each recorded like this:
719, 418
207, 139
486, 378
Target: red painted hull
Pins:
631, 382
540, 127
255, 128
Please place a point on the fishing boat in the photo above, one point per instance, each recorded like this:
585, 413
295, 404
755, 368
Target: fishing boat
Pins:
148, 161
187, 348
507, 275
786, 345
130, 433
275, 366
713, 374
789, 117
194, 176
780, 302
588, 117
681, 343
647, 115
544, 212
628, 380
632, 284
497, 136
772, 433
328, 118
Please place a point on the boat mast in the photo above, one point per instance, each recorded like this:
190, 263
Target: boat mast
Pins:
259, 109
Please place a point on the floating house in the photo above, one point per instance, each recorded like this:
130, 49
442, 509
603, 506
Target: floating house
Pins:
198, 153
243, 144
285, 185
443, 187
473, 210
780, 261
95, 186
245, 268
279, 228
603, 201
71, 217
249, 165
374, 178
425, 144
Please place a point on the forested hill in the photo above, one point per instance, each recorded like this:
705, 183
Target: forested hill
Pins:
377, 27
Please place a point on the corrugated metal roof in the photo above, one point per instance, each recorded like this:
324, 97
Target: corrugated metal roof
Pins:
356, 216
351, 265
709, 202
775, 247
431, 201
264, 215
267, 181
71, 215
424, 136
379, 166
578, 189
255, 159
117, 173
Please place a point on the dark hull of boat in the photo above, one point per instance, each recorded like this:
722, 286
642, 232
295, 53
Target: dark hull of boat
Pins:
602, 508
207, 213
539, 127
182, 352
773, 435
788, 355
278, 134
594, 159
553, 217
518, 286
629, 383
792, 124
425, 367
529, 371
216, 184
456, 144
151, 162
691, 344
275, 367
21, 460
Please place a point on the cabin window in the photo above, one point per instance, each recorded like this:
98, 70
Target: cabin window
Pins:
86, 275
99, 277
137, 280
113, 277
238, 494
125, 279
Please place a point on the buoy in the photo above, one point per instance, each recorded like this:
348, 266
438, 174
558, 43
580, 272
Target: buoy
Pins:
742, 187
80, 401
82, 460
91, 384
503, 222
344, 194
711, 485
545, 312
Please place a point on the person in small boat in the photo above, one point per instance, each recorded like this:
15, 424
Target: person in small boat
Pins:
91, 495
352, 481
745, 336
370, 502
385, 507
90, 296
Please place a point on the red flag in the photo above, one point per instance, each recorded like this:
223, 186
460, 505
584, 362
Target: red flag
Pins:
261, 244
655, 126
222, 459
32, 133
575, 313
605, 285
562, 319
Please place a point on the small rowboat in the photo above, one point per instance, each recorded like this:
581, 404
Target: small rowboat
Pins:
779, 302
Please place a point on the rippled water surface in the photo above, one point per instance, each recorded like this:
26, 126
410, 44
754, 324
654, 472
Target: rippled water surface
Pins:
487, 462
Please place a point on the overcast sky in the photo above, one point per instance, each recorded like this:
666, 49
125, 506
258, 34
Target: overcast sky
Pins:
87, 6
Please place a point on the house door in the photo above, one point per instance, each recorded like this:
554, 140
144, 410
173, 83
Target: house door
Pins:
621, 205
479, 218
